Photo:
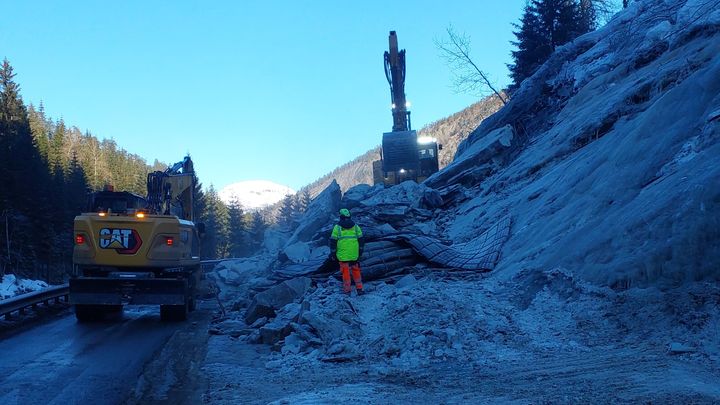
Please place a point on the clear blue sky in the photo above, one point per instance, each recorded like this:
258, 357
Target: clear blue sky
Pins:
276, 90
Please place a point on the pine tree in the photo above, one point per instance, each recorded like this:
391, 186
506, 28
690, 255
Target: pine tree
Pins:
304, 201
287, 213
237, 229
23, 175
587, 16
216, 219
57, 142
77, 188
544, 26
527, 58
40, 129
199, 202
257, 231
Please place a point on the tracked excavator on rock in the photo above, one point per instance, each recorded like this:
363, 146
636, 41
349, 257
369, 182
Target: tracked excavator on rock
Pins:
404, 155
138, 250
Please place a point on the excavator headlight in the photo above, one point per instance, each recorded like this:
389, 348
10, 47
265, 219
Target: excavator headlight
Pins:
102, 214
140, 215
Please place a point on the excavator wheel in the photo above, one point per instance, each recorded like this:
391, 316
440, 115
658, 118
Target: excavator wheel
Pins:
87, 313
174, 312
93, 313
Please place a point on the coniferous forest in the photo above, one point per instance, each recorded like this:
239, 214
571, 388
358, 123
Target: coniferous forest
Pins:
47, 169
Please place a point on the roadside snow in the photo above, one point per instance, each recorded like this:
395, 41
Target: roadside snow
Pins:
12, 286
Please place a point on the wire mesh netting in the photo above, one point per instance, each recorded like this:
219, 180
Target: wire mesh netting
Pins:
481, 253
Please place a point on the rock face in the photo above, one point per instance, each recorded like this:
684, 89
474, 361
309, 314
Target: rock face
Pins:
476, 161
280, 327
266, 303
319, 213
611, 169
355, 196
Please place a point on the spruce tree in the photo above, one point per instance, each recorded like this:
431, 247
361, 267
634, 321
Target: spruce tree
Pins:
237, 229
55, 154
287, 213
544, 26
216, 219
40, 129
587, 16
304, 201
24, 177
527, 58
77, 188
257, 231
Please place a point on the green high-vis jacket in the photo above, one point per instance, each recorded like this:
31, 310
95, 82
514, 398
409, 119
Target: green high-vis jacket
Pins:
349, 242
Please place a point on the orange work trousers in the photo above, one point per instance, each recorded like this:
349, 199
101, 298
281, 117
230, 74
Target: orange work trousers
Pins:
345, 268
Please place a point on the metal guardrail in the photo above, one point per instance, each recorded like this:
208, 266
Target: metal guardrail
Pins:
33, 299
54, 293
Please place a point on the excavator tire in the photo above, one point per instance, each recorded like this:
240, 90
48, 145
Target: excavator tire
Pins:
86, 313
174, 313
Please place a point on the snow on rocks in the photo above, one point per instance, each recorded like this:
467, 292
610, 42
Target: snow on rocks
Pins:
298, 252
266, 303
236, 279
320, 212
474, 162
604, 176
11, 286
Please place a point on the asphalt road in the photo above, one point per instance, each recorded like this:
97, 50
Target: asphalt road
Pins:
126, 359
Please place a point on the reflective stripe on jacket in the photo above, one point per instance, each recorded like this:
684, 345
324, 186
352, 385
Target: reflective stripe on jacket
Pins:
348, 247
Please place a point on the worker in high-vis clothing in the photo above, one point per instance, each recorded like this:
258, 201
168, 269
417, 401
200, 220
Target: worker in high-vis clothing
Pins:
346, 246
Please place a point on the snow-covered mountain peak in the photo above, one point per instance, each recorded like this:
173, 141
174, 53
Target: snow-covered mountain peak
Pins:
255, 194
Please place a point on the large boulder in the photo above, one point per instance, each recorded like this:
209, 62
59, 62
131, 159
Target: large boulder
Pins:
322, 210
475, 161
297, 252
266, 303
274, 240
355, 195
281, 326
432, 199
406, 193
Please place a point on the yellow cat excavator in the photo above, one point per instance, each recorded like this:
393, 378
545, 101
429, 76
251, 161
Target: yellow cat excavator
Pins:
404, 155
138, 250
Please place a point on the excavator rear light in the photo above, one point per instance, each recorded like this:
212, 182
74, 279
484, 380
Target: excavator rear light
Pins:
79, 239
169, 240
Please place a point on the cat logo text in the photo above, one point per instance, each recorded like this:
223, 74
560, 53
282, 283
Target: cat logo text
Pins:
124, 241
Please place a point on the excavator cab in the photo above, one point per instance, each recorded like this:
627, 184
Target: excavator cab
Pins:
117, 202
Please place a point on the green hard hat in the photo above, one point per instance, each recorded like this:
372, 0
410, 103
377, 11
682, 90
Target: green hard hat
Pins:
345, 212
